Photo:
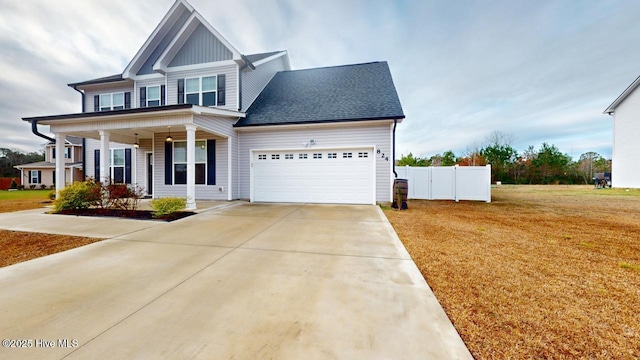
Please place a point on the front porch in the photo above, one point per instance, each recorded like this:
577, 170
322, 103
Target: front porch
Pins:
176, 150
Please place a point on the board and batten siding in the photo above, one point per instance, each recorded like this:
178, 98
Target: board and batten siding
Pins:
231, 83
254, 81
325, 137
625, 172
105, 89
203, 192
201, 47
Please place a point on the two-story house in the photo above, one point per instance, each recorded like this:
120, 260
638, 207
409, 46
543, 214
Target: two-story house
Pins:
191, 116
625, 160
44, 172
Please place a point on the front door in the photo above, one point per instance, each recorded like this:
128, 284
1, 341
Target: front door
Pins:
149, 173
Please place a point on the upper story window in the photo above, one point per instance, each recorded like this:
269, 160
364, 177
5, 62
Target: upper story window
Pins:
112, 101
67, 152
203, 91
152, 96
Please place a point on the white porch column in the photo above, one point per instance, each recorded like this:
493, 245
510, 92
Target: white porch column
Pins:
191, 167
105, 173
60, 184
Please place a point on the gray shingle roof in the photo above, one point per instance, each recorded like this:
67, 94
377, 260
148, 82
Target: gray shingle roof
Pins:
330, 94
102, 80
257, 57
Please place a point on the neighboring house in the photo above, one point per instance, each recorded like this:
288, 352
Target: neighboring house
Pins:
192, 116
44, 172
625, 161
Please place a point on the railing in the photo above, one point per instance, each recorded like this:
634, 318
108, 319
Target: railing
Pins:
448, 182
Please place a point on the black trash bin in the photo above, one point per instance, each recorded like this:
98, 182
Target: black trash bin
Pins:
400, 191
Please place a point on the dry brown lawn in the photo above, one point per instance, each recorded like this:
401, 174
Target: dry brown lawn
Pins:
541, 272
18, 246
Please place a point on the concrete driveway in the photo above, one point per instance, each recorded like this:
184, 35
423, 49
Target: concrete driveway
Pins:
241, 281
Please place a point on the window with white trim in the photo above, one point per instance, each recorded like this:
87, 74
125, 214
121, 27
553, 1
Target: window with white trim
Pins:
116, 164
288, 156
363, 155
317, 156
180, 162
302, 156
347, 155
332, 155
262, 157
275, 156
201, 91
153, 96
114, 101
35, 176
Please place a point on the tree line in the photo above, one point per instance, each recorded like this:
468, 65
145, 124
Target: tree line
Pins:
544, 165
11, 157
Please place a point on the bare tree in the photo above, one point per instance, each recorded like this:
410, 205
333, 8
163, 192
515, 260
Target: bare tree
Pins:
499, 138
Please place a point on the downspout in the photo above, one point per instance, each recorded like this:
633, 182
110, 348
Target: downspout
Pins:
34, 129
393, 153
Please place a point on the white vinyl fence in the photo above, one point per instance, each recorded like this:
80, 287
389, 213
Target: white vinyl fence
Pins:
448, 182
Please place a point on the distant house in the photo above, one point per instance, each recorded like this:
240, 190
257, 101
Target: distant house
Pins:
44, 172
625, 162
191, 116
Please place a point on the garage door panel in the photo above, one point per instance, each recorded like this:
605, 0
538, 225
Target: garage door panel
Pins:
320, 176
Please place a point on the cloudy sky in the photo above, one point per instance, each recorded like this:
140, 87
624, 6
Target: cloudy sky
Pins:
539, 70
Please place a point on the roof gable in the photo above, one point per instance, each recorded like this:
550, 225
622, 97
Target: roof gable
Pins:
612, 108
159, 39
331, 94
201, 43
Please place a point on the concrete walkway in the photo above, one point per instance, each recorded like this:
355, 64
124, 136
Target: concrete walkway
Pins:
241, 281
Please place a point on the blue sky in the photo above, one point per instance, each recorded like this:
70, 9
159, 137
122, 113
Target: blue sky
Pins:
541, 71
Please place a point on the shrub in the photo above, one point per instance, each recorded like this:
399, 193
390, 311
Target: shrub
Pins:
52, 195
79, 195
121, 196
14, 184
32, 186
20, 187
43, 187
167, 206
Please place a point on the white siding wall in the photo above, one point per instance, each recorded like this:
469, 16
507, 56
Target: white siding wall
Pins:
253, 81
203, 192
105, 89
378, 135
231, 72
626, 148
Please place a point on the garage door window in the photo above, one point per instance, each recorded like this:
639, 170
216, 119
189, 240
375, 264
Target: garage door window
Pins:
317, 156
302, 156
180, 162
288, 156
363, 155
347, 155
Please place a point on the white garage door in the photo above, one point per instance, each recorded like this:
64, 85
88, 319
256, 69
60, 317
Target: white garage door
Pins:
337, 176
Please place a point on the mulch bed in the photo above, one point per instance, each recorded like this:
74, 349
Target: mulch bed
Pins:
129, 214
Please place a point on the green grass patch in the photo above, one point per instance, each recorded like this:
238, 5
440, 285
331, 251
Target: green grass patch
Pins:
25, 195
625, 265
